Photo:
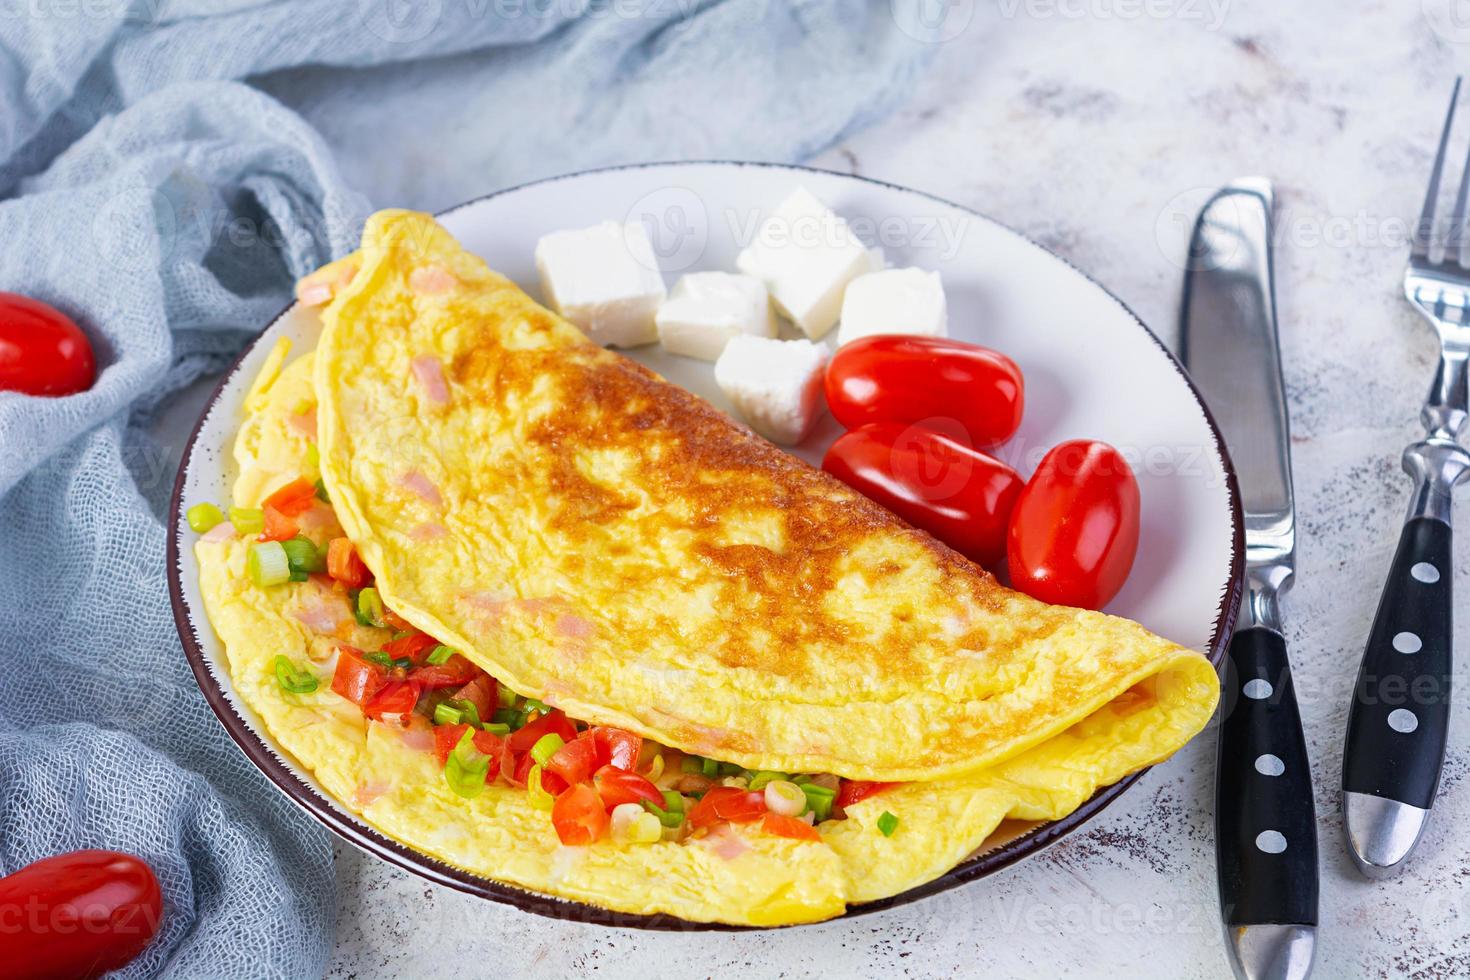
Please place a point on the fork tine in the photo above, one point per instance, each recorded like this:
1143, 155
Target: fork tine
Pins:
1425, 228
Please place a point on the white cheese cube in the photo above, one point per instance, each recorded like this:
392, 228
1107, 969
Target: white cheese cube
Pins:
775, 384
806, 255
605, 279
706, 309
893, 301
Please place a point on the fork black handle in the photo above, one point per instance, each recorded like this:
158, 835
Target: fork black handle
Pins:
1399, 717
1265, 821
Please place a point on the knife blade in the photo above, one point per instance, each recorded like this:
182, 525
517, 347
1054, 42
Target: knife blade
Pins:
1265, 821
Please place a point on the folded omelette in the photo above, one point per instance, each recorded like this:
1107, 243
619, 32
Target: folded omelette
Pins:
617, 554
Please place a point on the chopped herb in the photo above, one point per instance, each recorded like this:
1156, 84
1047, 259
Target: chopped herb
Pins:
439, 655
369, 607
759, 780
887, 824
467, 768
294, 680
669, 818
546, 746
267, 564
247, 520
819, 798
203, 517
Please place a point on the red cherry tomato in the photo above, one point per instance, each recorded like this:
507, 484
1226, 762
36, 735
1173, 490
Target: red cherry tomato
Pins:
42, 352
77, 915
1074, 531
894, 378
617, 786
579, 816
960, 495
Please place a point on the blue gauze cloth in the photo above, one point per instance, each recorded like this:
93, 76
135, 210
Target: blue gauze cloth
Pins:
154, 195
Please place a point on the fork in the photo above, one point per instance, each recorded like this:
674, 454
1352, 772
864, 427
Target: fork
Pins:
1399, 715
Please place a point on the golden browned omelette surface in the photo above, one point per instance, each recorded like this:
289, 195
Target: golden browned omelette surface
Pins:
602, 539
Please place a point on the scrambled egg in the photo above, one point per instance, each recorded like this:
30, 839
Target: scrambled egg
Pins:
595, 537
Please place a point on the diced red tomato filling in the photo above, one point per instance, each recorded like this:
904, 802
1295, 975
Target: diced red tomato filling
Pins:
357, 679
852, 791
279, 526
596, 769
344, 565
294, 499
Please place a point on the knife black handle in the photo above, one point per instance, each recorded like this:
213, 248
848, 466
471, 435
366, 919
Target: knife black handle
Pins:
1265, 821
1400, 713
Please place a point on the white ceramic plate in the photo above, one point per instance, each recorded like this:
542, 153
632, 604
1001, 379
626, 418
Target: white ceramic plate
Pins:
1092, 371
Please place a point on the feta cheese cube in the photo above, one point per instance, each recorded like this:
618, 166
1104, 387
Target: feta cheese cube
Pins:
706, 309
605, 279
806, 255
893, 301
775, 384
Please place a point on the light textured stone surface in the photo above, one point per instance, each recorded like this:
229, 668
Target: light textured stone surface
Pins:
1096, 127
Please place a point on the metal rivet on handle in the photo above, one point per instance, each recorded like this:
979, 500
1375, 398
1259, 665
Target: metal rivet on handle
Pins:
1407, 642
1269, 765
1257, 690
1270, 842
1402, 720
1425, 572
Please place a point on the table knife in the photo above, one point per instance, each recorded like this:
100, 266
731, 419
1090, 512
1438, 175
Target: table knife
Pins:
1265, 822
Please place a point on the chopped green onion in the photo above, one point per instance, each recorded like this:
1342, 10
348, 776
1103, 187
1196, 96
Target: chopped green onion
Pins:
247, 520
710, 768
785, 798
439, 655
466, 768
535, 793
302, 554
819, 798
673, 802
401, 635
369, 607
321, 491
669, 818
495, 728
506, 696
730, 769
202, 517
446, 714
691, 763
468, 713
267, 564
292, 679
299, 576
505, 716
536, 704
764, 776
887, 824
546, 746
